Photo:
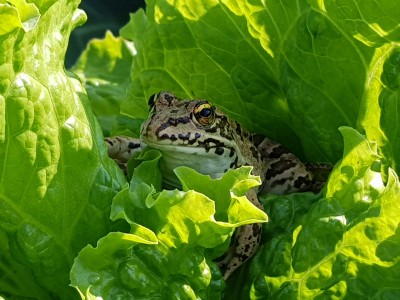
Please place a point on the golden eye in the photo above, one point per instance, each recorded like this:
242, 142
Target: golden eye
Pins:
204, 113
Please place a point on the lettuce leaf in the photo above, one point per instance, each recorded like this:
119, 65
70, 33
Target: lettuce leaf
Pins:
301, 69
56, 181
381, 106
344, 244
104, 68
174, 236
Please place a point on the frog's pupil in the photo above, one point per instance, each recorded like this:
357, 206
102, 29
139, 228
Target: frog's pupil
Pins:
206, 112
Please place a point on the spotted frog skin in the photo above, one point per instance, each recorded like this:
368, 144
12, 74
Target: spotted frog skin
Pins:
196, 134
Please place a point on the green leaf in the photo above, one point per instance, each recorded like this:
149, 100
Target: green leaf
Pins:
235, 184
351, 232
56, 181
84, 271
18, 14
104, 68
383, 112
254, 61
182, 228
359, 19
204, 49
301, 69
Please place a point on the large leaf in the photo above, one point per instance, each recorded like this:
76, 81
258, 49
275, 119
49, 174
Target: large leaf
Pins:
344, 246
300, 68
56, 183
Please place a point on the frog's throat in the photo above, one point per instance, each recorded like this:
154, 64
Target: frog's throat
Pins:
213, 161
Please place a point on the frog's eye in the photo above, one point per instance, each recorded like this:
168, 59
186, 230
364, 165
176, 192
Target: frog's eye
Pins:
204, 113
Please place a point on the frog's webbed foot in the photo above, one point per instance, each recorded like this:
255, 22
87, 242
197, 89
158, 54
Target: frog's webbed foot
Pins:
121, 148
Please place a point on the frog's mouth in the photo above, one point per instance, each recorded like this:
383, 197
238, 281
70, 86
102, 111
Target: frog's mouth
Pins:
213, 161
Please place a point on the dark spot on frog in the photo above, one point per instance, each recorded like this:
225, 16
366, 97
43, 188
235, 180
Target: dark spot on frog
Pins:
278, 151
209, 143
278, 168
242, 257
257, 139
254, 152
171, 137
303, 182
234, 164
212, 129
219, 150
132, 145
257, 240
160, 128
176, 121
256, 230
231, 153
169, 98
172, 122
184, 137
238, 129
281, 181
194, 140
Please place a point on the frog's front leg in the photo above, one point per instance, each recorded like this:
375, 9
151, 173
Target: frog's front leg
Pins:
246, 241
121, 148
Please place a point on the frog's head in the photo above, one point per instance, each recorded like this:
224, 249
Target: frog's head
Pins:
192, 133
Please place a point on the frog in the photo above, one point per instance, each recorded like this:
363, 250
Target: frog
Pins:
199, 135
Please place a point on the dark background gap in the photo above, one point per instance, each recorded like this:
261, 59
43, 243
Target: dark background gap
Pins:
102, 15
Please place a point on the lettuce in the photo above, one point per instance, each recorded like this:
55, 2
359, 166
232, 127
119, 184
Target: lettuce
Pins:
174, 236
104, 69
342, 245
301, 69
295, 71
56, 181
